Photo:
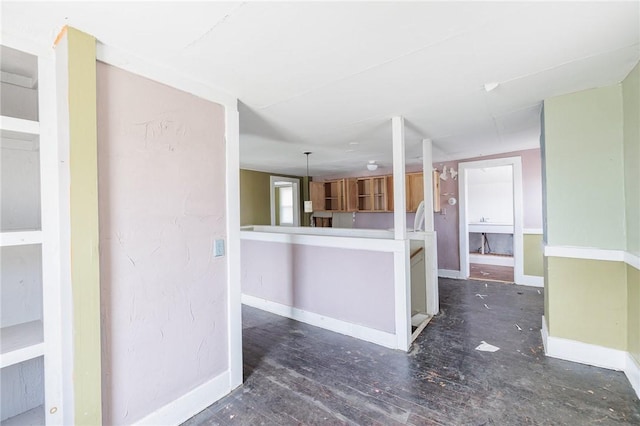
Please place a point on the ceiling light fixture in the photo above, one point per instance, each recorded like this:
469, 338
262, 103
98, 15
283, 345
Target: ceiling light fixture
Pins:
491, 86
372, 166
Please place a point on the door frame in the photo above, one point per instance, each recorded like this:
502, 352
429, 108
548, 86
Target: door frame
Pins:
296, 198
518, 245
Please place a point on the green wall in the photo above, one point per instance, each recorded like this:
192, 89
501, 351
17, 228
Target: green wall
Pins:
631, 105
584, 169
631, 102
592, 184
533, 255
85, 265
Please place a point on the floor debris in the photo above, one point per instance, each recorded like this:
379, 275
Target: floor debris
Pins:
518, 327
481, 296
485, 305
486, 347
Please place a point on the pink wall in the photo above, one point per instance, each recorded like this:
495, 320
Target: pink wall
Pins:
355, 286
161, 167
447, 225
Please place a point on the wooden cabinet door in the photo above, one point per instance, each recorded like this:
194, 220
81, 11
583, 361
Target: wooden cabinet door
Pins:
316, 194
351, 194
415, 191
390, 193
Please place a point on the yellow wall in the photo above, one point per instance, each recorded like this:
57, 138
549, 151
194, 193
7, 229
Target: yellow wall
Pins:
533, 255
588, 301
85, 266
255, 201
633, 314
255, 208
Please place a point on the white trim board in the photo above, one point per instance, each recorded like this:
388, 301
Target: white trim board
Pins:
532, 231
126, 61
532, 281
632, 371
590, 253
371, 244
484, 259
378, 337
183, 408
449, 273
598, 356
632, 260
234, 303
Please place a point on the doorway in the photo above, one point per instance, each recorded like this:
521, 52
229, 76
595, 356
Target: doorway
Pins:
491, 246
285, 201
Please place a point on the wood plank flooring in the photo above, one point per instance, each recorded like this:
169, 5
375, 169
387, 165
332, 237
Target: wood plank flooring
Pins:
298, 374
491, 273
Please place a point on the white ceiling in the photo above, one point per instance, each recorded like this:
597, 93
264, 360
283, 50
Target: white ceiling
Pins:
327, 77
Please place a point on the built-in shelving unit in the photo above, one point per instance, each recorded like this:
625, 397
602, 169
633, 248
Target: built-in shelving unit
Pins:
22, 347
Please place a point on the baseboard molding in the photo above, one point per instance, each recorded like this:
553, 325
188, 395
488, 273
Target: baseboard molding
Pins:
189, 404
491, 260
532, 281
372, 335
583, 353
449, 273
633, 373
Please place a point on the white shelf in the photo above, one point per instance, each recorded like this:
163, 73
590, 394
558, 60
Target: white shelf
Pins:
33, 417
20, 238
19, 125
21, 342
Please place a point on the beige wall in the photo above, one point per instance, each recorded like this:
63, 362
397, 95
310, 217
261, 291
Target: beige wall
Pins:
533, 255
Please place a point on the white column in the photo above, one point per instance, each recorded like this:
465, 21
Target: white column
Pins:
232, 132
427, 167
402, 280
399, 193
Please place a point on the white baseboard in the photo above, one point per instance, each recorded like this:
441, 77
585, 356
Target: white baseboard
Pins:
483, 259
633, 373
189, 404
532, 280
598, 356
372, 335
449, 273
584, 353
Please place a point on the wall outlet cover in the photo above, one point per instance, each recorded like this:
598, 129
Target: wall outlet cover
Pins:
218, 248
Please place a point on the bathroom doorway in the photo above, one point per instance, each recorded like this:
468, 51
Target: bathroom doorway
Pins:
491, 247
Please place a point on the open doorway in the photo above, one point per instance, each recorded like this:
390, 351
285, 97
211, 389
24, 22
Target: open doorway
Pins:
491, 246
285, 201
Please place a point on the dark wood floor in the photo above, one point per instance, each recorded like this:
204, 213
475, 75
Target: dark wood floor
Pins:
299, 374
491, 273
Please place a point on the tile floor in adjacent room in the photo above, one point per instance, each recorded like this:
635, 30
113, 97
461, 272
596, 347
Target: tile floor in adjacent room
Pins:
299, 374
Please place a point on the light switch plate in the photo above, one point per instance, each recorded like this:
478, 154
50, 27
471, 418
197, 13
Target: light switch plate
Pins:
218, 248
